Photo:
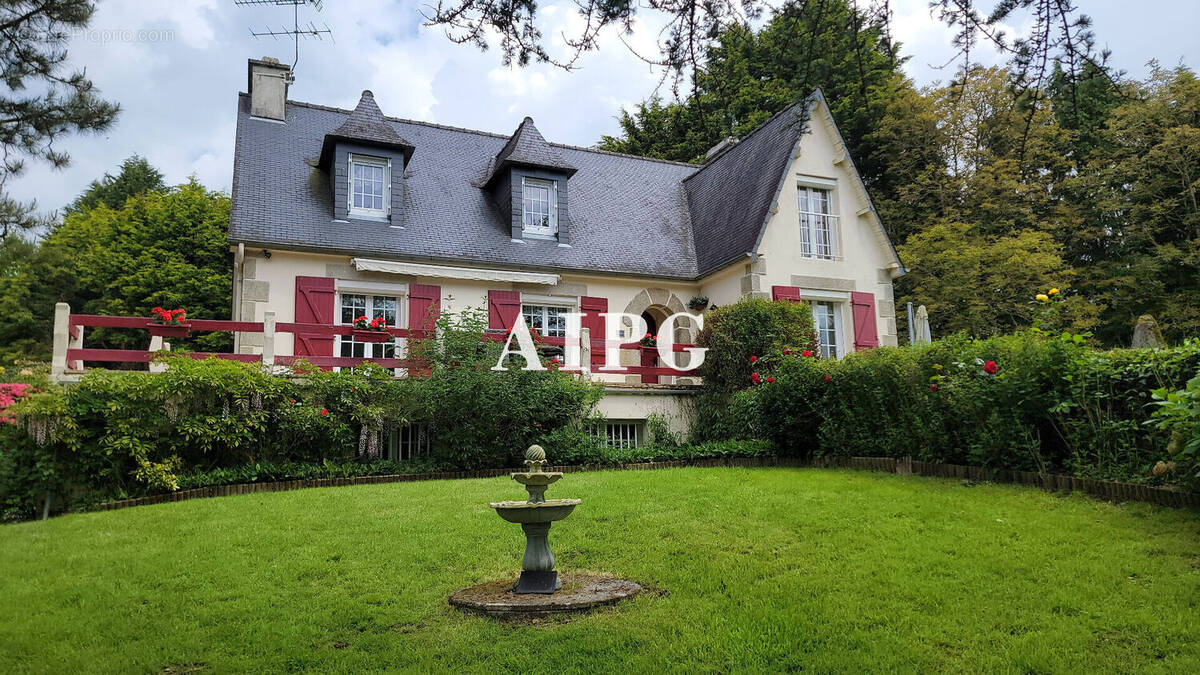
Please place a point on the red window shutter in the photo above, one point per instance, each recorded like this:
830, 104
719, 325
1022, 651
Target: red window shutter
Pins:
592, 308
503, 308
865, 333
314, 304
424, 305
789, 293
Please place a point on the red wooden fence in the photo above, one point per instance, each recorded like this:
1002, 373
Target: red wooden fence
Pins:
76, 355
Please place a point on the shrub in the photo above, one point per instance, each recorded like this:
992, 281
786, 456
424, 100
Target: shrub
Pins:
741, 338
1179, 415
124, 433
1026, 402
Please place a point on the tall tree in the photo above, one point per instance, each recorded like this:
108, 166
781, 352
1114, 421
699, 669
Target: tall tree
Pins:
136, 177
41, 102
1138, 248
160, 248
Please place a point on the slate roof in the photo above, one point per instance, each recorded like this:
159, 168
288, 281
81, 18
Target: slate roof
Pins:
528, 148
366, 125
629, 215
751, 171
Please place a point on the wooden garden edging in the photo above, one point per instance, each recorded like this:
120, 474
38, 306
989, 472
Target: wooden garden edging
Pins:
1103, 489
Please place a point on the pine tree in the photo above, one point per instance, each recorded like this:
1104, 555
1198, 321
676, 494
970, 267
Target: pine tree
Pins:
40, 102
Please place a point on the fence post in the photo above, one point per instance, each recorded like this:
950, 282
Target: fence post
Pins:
585, 352
157, 345
268, 350
62, 336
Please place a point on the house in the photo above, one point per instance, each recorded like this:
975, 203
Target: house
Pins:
339, 213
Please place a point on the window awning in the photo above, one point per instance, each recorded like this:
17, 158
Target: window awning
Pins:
448, 272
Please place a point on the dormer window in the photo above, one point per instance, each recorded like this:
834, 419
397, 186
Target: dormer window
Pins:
370, 179
540, 199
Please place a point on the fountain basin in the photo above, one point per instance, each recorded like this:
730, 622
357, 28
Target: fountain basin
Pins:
535, 512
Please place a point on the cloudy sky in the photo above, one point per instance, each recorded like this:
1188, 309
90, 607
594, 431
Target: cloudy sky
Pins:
176, 67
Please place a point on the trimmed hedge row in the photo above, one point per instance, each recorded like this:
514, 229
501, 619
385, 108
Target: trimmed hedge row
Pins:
1044, 404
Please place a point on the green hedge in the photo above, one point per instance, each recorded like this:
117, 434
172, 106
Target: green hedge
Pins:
1051, 405
266, 472
119, 434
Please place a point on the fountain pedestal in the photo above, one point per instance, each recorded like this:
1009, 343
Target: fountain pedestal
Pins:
539, 590
537, 567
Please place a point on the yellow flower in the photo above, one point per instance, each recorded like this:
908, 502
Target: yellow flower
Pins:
1042, 297
1053, 291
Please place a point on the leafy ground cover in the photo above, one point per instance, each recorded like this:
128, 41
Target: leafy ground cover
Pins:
749, 569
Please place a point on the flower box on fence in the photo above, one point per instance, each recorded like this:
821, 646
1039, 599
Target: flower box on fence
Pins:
169, 329
371, 335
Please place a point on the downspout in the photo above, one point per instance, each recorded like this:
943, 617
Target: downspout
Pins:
235, 312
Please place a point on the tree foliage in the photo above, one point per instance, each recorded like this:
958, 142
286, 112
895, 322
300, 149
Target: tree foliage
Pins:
135, 177
162, 247
41, 102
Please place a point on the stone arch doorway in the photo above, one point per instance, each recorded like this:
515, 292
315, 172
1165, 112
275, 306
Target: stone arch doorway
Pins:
655, 305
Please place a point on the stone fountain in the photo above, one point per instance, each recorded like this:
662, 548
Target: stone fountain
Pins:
539, 591
536, 515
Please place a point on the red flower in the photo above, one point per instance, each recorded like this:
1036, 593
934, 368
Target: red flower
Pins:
786, 351
806, 352
755, 378
990, 367
933, 387
178, 311
157, 310
828, 378
770, 379
753, 359
324, 411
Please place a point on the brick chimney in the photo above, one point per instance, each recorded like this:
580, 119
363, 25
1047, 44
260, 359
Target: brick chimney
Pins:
267, 82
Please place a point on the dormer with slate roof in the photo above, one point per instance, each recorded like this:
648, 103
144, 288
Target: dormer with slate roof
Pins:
365, 158
527, 181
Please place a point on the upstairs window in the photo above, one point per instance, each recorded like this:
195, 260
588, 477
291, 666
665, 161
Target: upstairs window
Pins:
818, 225
540, 199
369, 186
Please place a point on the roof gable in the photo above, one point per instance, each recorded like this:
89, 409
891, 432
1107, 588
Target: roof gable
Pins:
366, 125
527, 147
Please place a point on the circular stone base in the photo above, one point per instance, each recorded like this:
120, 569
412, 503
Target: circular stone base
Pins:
579, 593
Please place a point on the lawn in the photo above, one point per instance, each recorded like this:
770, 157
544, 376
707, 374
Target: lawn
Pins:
750, 569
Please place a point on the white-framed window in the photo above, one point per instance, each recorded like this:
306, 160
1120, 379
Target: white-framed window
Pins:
818, 223
827, 320
539, 200
549, 320
354, 305
370, 187
622, 434
407, 442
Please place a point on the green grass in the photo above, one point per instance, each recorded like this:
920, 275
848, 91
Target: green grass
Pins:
751, 570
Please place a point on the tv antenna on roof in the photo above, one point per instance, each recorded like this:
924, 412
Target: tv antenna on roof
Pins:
296, 31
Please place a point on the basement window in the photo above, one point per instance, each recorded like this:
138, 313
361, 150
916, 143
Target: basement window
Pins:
622, 435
